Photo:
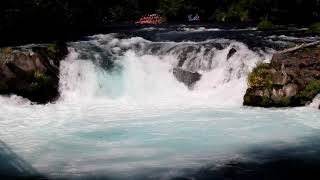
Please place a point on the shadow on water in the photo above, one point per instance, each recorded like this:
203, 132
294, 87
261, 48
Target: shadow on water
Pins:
300, 161
278, 161
14, 167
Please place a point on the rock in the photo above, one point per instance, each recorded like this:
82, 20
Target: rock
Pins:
186, 77
254, 97
280, 78
231, 53
277, 94
290, 90
33, 72
290, 80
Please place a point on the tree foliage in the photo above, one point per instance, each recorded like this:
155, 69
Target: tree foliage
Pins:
60, 16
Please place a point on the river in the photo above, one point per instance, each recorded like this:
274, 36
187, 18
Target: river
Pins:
123, 115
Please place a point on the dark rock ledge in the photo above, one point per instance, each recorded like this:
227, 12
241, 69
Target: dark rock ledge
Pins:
32, 72
291, 79
186, 77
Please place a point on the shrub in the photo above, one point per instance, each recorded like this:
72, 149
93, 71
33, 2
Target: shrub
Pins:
40, 80
220, 15
315, 28
265, 25
260, 76
310, 91
39, 75
52, 48
244, 16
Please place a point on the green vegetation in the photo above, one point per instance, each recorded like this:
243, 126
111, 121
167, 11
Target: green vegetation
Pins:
310, 91
171, 8
40, 76
315, 28
265, 24
238, 11
73, 13
56, 18
220, 16
52, 50
40, 81
260, 76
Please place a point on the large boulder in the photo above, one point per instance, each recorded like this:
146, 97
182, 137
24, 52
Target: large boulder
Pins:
291, 79
32, 72
186, 77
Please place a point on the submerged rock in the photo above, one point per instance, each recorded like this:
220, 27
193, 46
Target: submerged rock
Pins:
231, 53
186, 77
31, 72
291, 79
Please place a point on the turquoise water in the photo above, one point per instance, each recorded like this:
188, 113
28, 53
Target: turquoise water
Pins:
64, 140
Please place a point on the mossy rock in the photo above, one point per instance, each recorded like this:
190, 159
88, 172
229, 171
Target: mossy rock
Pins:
261, 101
55, 51
266, 101
283, 102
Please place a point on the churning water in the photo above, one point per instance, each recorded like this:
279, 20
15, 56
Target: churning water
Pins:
123, 115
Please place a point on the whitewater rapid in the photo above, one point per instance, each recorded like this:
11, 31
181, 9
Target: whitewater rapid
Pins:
142, 71
122, 113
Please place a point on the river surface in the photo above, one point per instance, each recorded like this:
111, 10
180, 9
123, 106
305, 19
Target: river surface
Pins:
123, 115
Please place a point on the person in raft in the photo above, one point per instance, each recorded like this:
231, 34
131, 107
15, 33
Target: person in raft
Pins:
150, 19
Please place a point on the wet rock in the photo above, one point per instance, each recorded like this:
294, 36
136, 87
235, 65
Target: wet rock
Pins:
31, 72
231, 53
183, 56
186, 77
291, 79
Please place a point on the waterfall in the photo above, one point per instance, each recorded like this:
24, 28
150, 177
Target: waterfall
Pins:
137, 70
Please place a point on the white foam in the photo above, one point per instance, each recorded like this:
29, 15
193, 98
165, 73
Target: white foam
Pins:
199, 29
146, 77
316, 102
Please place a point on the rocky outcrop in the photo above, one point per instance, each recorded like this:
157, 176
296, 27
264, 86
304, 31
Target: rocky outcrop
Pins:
186, 77
291, 79
31, 72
